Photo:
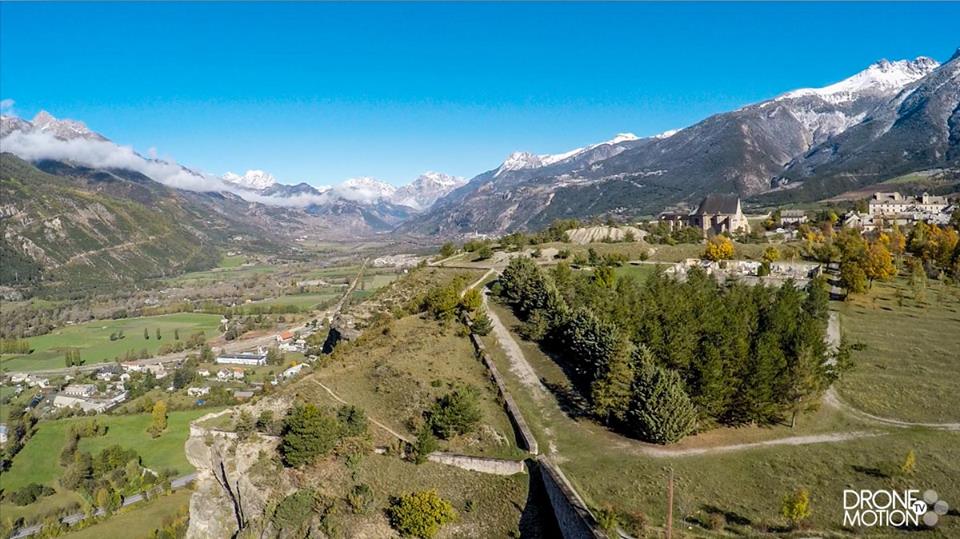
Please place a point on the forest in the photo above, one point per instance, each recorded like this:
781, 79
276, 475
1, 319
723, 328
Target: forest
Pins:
663, 358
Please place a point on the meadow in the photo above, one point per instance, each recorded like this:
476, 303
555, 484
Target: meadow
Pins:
743, 485
139, 520
38, 462
911, 361
93, 339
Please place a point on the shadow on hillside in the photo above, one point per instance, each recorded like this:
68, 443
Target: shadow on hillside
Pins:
536, 518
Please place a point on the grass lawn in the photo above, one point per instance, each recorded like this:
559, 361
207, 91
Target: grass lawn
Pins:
305, 302
234, 261
222, 274
640, 272
747, 485
911, 364
93, 339
396, 375
38, 461
139, 520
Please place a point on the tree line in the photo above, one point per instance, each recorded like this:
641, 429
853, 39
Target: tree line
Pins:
663, 358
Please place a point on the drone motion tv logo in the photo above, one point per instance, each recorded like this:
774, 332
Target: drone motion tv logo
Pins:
869, 508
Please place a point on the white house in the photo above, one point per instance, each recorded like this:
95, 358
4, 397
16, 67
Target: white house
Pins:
257, 358
198, 391
294, 370
79, 390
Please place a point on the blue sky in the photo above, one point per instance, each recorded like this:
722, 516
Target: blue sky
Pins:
324, 92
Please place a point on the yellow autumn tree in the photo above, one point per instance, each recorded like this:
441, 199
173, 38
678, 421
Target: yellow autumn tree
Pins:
158, 421
878, 264
718, 248
796, 507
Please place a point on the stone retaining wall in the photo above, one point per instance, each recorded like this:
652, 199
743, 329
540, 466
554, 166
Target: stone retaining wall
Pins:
525, 435
572, 515
479, 464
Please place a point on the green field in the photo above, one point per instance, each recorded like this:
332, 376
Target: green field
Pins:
911, 364
235, 261
222, 274
93, 339
304, 302
639, 271
138, 521
747, 485
38, 461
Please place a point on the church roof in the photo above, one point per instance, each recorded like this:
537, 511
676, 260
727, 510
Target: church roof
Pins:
718, 203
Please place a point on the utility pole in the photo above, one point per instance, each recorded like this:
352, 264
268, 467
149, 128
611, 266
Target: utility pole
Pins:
670, 506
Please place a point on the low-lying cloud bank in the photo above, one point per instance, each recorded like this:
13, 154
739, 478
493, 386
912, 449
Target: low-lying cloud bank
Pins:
34, 146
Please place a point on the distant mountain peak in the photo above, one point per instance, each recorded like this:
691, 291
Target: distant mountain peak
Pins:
252, 179
63, 129
882, 77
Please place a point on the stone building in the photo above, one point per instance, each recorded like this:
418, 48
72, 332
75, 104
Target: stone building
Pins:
717, 213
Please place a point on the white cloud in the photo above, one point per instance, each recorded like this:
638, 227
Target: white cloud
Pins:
35, 145
6, 107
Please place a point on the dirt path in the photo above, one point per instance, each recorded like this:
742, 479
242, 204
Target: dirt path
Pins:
476, 283
337, 398
519, 365
830, 398
647, 449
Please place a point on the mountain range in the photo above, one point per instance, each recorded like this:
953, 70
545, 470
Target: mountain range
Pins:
809, 144
74, 198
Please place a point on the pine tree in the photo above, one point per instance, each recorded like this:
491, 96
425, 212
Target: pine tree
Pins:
482, 325
661, 411
611, 392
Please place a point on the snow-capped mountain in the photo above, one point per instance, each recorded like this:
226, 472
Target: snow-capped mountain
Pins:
365, 189
745, 151
252, 179
44, 122
421, 193
881, 78
526, 160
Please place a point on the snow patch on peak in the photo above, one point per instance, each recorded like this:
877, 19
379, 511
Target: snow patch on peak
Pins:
621, 137
518, 161
666, 134
525, 160
45, 122
365, 189
883, 77
256, 180
421, 193
438, 179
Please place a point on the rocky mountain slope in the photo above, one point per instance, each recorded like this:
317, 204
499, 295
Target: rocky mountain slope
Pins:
750, 151
70, 228
355, 207
917, 129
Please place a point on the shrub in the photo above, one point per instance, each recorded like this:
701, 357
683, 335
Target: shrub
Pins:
796, 507
308, 433
421, 514
360, 498
294, 510
425, 444
29, 494
353, 421
482, 325
455, 413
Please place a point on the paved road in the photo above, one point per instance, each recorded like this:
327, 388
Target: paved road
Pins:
177, 483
